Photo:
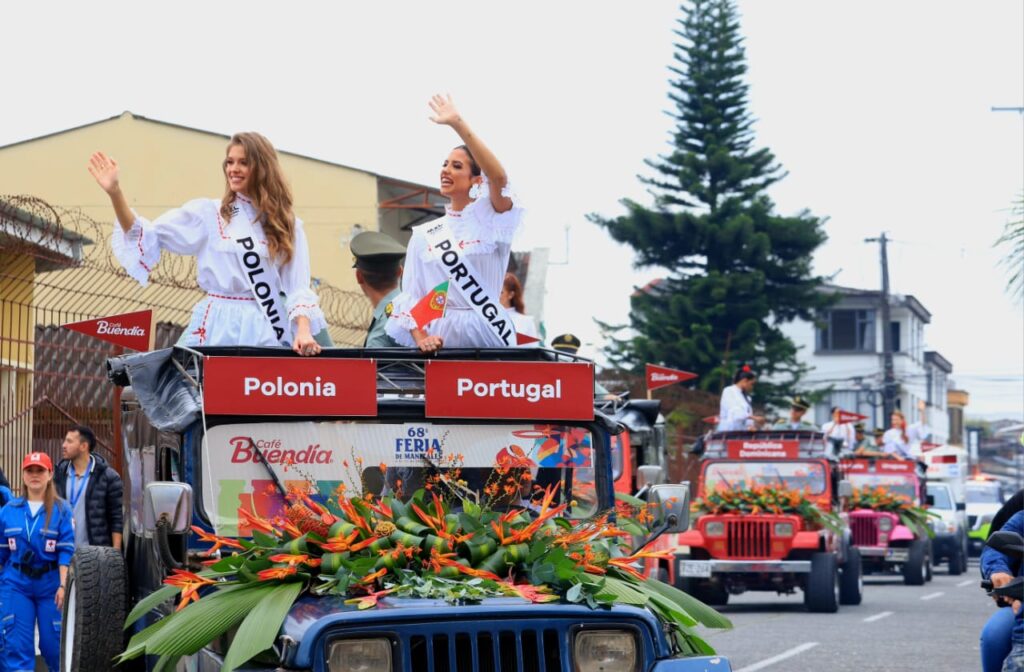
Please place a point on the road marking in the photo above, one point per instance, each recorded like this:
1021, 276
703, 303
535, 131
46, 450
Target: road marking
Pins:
795, 651
877, 617
965, 583
932, 596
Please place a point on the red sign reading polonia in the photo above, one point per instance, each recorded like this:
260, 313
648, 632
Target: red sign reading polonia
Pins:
762, 449
131, 330
848, 416
289, 386
662, 376
520, 390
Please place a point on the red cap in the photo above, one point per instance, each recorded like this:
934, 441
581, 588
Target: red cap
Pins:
37, 460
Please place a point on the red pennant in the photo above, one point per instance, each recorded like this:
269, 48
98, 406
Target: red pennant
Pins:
131, 330
928, 445
660, 376
711, 419
847, 417
523, 339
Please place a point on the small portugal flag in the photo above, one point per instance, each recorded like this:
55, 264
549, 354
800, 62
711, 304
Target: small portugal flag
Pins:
431, 306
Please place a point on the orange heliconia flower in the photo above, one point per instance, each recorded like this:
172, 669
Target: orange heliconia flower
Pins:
217, 542
277, 573
189, 583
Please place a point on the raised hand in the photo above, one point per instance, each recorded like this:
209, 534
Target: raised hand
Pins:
106, 172
444, 110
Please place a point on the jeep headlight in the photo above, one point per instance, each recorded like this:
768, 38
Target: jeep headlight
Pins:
783, 529
885, 523
605, 651
714, 529
360, 655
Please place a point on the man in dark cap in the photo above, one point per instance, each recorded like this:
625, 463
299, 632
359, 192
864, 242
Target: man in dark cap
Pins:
867, 447
567, 343
797, 409
378, 264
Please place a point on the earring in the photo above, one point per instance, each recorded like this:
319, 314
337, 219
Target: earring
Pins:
476, 191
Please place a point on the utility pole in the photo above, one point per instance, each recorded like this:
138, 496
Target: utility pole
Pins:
888, 374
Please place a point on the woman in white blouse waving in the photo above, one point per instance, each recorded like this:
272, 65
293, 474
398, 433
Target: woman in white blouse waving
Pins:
469, 248
735, 412
249, 248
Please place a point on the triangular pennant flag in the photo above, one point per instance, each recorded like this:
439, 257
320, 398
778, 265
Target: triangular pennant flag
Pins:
131, 330
523, 339
661, 376
848, 416
431, 306
711, 419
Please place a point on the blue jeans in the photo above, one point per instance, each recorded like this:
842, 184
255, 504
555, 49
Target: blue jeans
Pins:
1015, 661
996, 640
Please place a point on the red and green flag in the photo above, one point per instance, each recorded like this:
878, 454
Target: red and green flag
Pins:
431, 306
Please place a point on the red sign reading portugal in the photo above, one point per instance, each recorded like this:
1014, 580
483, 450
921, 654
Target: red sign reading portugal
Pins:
762, 449
289, 386
131, 330
521, 390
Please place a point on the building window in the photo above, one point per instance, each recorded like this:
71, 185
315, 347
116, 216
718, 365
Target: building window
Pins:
847, 331
894, 330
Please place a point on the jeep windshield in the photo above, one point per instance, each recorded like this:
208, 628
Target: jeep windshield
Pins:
901, 484
793, 475
983, 493
504, 466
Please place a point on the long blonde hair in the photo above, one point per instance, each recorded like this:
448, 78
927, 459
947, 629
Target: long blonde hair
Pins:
268, 191
50, 497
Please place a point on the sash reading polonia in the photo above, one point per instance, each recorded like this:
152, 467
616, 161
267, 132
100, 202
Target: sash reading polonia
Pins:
262, 279
466, 280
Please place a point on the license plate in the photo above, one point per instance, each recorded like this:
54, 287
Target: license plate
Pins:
896, 554
701, 570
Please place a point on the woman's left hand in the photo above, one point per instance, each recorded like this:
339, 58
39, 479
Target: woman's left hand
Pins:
444, 110
58, 598
304, 343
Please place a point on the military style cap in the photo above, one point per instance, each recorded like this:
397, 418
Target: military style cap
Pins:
879, 431
800, 402
566, 343
859, 427
377, 252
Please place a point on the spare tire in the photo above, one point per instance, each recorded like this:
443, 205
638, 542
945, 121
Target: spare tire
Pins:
92, 630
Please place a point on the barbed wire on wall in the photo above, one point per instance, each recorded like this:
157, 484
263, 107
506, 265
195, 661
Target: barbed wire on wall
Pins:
33, 227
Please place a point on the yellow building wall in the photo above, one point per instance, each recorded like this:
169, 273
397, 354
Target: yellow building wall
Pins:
17, 324
164, 166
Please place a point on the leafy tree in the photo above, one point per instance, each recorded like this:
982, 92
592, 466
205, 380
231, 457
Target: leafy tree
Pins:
1013, 240
735, 269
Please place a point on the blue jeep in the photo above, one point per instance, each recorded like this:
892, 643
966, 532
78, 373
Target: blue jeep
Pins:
209, 431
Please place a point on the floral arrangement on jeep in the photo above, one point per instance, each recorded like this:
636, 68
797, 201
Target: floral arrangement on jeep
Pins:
446, 541
754, 498
882, 499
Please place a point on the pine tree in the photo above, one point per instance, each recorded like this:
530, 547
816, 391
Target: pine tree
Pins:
736, 269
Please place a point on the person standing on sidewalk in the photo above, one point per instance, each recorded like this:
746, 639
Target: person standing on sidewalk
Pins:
92, 488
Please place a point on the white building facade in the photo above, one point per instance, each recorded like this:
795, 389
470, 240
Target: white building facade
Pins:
843, 352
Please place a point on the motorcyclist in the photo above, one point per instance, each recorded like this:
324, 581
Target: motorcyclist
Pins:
1002, 638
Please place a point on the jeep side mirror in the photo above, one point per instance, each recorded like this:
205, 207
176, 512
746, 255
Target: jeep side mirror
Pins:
845, 489
672, 508
929, 500
647, 475
170, 501
961, 506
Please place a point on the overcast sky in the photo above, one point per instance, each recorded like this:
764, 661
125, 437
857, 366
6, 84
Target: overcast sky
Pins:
879, 110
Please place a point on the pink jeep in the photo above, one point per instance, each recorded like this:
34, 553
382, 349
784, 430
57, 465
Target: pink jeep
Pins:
886, 544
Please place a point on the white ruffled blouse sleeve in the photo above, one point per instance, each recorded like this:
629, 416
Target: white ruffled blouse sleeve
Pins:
401, 322
180, 231
300, 299
497, 227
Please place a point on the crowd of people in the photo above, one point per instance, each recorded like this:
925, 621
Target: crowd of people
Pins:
901, 441
78, 502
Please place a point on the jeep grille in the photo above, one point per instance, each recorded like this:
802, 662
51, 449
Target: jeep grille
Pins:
485, 651
865, 530
749, 538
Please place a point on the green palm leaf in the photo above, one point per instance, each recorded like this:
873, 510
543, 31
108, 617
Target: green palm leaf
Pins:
150, 602
259, 629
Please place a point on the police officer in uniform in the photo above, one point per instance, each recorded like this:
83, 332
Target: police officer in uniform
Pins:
797, 409
36, 544
378, 264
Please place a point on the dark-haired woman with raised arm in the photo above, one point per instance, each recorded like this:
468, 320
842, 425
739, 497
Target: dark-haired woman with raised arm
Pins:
469, 248
249, 246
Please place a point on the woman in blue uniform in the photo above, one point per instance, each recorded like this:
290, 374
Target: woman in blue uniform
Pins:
36, 544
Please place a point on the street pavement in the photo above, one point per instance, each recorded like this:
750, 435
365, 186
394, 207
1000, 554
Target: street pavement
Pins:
934, 627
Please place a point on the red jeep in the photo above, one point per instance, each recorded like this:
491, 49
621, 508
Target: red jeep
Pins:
762, 549
886, 544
